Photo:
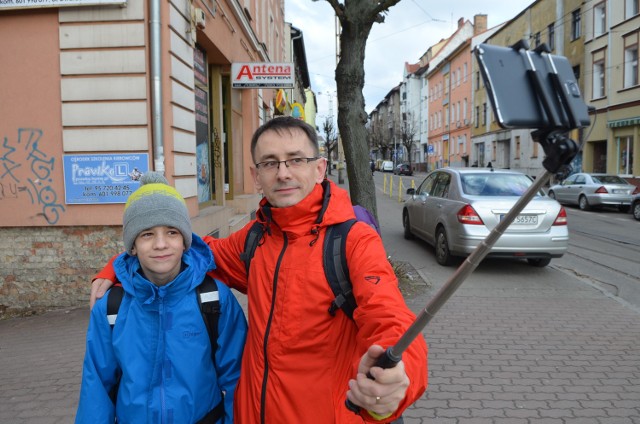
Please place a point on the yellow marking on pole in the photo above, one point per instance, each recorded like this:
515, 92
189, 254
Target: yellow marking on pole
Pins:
390, 185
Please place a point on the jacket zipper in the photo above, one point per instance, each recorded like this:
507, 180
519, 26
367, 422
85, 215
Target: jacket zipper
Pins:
268, 329
163, 406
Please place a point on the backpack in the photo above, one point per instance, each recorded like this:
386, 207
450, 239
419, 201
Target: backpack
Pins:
334, 258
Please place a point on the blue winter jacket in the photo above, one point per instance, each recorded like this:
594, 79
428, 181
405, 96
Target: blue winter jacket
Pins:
161, 345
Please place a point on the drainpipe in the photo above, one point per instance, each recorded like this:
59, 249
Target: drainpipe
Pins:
156, 84
293, 39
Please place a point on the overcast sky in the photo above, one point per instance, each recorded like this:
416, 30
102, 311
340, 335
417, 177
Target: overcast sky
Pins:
410, 28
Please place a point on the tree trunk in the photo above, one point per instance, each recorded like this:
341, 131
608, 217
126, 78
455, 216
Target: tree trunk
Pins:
356, 19
352, 117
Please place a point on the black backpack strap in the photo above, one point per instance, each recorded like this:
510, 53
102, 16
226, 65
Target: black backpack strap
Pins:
114, 299
209, 301
335, 267
251, 243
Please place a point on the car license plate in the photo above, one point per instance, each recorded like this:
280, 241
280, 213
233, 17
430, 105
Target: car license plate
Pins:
523, 219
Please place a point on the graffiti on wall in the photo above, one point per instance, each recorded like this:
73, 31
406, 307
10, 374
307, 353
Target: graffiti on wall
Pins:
26, 171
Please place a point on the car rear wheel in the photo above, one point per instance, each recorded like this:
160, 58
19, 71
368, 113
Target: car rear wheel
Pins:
539, 262
635, 210
407, 226
552, 195
583, 203
443, 255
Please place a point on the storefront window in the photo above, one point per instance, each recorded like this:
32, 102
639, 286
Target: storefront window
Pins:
625, 155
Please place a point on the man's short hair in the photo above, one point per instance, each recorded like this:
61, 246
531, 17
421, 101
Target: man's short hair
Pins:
286, 123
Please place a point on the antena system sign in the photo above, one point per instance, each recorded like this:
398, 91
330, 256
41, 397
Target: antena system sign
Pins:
262, 75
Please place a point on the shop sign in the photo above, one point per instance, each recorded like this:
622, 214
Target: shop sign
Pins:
30, 4
262, 75
102, 178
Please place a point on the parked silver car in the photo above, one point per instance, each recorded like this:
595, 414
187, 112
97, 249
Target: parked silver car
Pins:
454, 209
593, 190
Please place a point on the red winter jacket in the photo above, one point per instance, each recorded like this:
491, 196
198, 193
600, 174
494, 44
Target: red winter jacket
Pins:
298, 358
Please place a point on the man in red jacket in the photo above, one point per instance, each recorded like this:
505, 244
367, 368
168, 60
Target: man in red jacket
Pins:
300, 363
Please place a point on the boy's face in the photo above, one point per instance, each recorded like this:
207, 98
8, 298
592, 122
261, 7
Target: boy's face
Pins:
159, 250
286, 186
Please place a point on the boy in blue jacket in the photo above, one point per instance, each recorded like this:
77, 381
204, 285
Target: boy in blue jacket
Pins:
155, 365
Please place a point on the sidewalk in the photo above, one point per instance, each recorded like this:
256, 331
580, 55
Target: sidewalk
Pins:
551, 351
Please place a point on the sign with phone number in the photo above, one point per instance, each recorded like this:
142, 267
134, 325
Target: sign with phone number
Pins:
102, 178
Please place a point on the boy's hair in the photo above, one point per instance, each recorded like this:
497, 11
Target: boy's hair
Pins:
155, 203
286, 123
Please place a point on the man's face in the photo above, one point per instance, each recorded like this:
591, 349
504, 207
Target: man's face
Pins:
286, 186
159, 250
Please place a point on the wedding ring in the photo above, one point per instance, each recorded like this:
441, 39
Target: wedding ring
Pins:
377, 399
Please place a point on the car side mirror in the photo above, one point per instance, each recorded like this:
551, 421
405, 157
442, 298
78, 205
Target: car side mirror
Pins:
411, 191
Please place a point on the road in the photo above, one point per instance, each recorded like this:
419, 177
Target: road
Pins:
523, 345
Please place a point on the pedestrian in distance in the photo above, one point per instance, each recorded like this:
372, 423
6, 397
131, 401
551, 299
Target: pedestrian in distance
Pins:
156, 363
301, 363
373, 167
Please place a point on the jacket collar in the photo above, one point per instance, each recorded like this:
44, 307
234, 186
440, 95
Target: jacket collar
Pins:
327, 204
195, 263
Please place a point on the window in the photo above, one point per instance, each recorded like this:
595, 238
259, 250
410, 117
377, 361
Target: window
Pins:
464, 109
598, 74
599, 19
598, 79
484, 113
625, 155
631, 60
517, 155
477, 116
551, 30
536, 39
575, 24
631, 8
464, 75
478, 80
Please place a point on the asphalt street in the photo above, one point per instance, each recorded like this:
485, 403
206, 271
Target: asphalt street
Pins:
545, 349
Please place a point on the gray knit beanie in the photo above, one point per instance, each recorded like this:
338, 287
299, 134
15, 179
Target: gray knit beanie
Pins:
154, 203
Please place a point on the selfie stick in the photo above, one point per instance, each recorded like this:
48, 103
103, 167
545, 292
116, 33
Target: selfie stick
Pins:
559, 151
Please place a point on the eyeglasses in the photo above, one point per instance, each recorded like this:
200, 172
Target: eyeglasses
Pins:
274, 165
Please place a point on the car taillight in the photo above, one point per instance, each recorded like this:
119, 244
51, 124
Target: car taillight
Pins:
561, 219
468, 215
602, 190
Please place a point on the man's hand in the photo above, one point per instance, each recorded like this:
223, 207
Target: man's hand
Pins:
383, 394
98, 288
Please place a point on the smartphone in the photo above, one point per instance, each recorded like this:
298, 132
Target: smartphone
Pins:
529, 89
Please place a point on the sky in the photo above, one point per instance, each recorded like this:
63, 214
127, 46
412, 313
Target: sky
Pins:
410, 28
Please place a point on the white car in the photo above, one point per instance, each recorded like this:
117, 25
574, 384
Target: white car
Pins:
387, 166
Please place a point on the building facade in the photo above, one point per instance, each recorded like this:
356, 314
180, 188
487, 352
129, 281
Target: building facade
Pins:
612, 86
92, 96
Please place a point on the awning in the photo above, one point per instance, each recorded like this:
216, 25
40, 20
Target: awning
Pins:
624, 122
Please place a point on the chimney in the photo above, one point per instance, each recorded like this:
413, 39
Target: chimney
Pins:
460, 22
479, 24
